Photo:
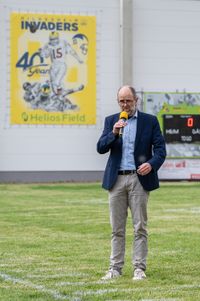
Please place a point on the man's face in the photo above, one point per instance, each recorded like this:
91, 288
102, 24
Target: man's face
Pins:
126, 100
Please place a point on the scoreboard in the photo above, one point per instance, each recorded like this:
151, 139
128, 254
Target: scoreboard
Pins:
181, 128
179, 118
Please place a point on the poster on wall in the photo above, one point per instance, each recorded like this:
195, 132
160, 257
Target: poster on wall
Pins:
53, 69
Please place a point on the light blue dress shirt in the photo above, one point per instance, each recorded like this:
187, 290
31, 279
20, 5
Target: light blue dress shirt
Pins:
128, 146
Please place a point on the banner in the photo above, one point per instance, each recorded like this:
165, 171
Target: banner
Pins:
180, 169
53, 69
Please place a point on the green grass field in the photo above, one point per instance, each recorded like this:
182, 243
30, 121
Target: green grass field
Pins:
55, 244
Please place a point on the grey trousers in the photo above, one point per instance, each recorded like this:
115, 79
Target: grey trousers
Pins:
128, 193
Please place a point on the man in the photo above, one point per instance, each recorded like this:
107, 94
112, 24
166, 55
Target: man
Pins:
130, 174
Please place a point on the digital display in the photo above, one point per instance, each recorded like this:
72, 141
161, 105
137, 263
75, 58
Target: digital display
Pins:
181, 128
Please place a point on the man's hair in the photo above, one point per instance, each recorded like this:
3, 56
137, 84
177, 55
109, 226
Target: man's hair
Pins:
133, 92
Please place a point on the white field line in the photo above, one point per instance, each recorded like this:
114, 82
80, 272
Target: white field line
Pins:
165, 299
56, 295
80, 293
131, 290
72, 275
67, 283
162, 299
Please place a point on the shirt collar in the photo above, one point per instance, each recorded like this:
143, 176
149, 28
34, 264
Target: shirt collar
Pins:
135, 115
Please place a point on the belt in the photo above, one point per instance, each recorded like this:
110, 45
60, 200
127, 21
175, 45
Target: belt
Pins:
126, 172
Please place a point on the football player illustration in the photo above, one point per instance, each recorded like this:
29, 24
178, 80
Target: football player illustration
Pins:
37, 94
57, 50
40, 96
31, 92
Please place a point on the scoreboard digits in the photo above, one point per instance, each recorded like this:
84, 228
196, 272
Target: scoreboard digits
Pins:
181, 128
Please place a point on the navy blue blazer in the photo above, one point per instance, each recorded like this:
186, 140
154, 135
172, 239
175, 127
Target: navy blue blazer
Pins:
149, 147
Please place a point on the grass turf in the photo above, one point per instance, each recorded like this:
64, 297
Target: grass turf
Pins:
55, 244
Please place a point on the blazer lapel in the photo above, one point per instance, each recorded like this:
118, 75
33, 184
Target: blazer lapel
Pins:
138, 130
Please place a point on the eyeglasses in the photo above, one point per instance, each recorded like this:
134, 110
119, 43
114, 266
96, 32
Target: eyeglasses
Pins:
125, 101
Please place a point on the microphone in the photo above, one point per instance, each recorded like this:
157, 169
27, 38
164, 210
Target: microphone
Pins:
124, 116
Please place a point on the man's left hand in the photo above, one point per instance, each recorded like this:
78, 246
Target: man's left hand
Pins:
144, 169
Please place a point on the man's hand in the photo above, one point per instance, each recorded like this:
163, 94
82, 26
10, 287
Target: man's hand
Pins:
144, 169
118, 125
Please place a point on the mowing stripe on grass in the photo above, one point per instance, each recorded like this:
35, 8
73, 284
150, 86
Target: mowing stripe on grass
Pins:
195, 210
56, 295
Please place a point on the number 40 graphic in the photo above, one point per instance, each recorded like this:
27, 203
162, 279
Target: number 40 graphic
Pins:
27, 61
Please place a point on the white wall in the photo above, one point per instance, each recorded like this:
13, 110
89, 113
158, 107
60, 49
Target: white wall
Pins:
60, 148
166, 45
166, 58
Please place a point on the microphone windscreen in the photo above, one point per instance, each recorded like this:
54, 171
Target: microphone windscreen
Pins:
123, 115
